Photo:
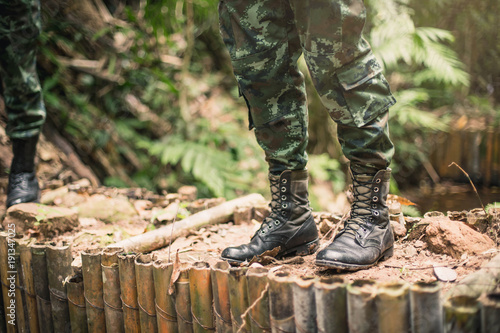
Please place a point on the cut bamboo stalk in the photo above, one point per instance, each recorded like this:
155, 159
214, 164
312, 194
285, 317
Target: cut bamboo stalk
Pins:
258, 298
111, 290
393, 307
165, 305
331, 305
3, 322
161, 237
41, 281
128, 288
490, 313
361, 308
461, 315
27, 273
222, 305
183, 301
92, 286
7, 267
58, 269
304, 304
200, 292
20, 297
76, 304
281, 302
425, 307
146, 292
238, 298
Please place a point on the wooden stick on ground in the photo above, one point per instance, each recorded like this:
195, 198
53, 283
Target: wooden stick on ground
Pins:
160, 237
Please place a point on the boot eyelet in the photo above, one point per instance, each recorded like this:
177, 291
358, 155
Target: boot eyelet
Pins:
374, 206
378, 180
277, 222
283, 213
376, 189
283, 189
375, 199
376, 213
284, 181
283, 197
284, 205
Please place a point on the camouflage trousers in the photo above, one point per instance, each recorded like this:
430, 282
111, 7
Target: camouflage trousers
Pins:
265, 38
20, 26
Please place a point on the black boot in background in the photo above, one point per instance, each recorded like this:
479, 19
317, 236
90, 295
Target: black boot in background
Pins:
23, 184
290, 226
367, 236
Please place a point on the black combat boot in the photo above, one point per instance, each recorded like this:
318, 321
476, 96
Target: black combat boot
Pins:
367, 236
23, 184
290, 226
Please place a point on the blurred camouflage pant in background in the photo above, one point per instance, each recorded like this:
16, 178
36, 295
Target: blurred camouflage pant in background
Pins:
20, 26
265, 38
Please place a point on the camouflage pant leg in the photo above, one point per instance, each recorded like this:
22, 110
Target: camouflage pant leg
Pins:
20, 27
264, 48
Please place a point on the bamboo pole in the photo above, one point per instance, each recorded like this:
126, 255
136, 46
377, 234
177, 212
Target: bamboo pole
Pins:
20, 297
165, 305
29, 286
425, 307
222, 305
8, 280
304, 304
128, 288
461, 315
238, 298
76, 304
258, 298
490, 313
200, 292
393, 307
161, 237
92, 286
58, 269
183, 301
41, 283
331, 305
146, 292
281, 302
111, 290
361, 309
3, 322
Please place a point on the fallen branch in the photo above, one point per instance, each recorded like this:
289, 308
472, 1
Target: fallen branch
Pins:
474, 187
159, 238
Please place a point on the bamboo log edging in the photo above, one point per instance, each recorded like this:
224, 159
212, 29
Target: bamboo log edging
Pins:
281, 302
304, 304
41, 283
128, 291
238, 298
76, 304
200, 292
461, 315
3, 322
490, 313
361, 308
258, 298
21, 311
58, 268
222, 306
27, 273
426, 308
113, 309
92, 286
146, 292
393, 307
161, 237
183, 301
165, 305
331, 305
4, 268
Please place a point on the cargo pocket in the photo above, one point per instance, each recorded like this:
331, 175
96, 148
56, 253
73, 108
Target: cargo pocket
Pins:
365, 91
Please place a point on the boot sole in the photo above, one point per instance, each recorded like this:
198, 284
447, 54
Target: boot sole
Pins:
301, 250
353, 267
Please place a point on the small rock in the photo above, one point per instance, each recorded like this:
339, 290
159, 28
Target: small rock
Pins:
445, 274
418, 244
107, 209
410, 251
47, 220
433, 214
399, 230
188, 193
242, 214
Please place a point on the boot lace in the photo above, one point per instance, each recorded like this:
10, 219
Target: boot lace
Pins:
276, 204
360, 208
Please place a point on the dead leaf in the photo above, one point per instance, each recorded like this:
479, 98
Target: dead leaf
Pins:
176, 272
401, 200
266, 257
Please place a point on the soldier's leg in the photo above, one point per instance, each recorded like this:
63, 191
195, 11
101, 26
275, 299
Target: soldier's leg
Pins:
264, 48
349, 81
19, 29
